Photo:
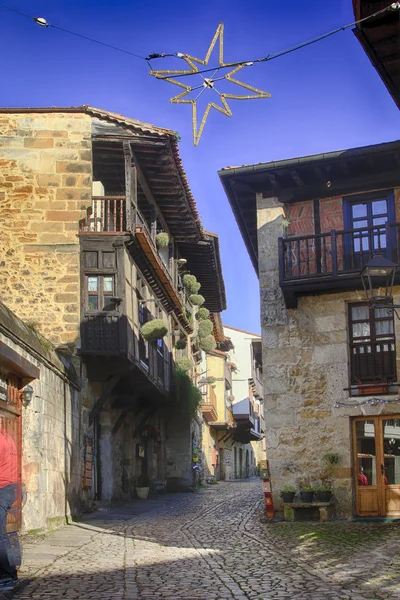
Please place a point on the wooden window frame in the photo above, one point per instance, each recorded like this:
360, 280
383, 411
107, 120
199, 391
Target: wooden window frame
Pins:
101, 294
373, 341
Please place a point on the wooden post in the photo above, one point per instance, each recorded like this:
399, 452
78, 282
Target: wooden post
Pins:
153, 223
265, 476
130, 188
334, 253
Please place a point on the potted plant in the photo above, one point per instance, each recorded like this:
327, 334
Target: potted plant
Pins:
142, 486
288, 493
162, 239
154, 330
307, 493
325, 491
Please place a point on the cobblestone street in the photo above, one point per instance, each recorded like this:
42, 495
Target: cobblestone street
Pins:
210, 545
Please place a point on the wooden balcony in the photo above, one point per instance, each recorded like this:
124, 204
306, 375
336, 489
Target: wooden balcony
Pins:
332, 261
108, 345
106, 215
209, 406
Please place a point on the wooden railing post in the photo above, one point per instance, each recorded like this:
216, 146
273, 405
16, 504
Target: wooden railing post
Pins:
334, 253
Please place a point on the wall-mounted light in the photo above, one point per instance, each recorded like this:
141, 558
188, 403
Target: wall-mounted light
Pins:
27, 395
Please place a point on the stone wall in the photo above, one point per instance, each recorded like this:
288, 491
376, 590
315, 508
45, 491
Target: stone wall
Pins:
305, 369
45, 188
52, 430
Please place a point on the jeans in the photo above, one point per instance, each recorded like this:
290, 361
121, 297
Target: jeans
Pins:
9, 545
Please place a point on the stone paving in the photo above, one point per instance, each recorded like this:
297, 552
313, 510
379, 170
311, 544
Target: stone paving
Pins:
210, 545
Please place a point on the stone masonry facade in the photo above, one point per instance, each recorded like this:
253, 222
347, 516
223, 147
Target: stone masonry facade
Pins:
45, 188
305, 368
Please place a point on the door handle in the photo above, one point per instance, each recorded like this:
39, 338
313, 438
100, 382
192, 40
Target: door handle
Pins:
382, 469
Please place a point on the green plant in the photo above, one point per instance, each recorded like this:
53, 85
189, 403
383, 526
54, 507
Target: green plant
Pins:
288, 489
143, 481
210, 380
162, 239
191, 284
190, 317
331, 459
32, 325
202, 313
181, 344
177, 136
154, 330
184, 364
325, 486
197, 299
208, 343
184, 394
308, 488
205, 328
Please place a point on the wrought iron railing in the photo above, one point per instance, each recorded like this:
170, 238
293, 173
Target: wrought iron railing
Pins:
373, 362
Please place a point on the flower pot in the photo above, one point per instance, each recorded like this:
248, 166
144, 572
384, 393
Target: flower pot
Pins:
325, 495
306, 496
288, 496
142, 492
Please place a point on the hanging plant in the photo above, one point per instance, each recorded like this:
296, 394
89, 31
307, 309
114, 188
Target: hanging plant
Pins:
154, 330
208, 343
162, 240
184, 364
202, 313
205, 328
191, 284
181, 344
197, 299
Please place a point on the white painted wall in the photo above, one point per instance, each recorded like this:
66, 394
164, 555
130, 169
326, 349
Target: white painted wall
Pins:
241, 356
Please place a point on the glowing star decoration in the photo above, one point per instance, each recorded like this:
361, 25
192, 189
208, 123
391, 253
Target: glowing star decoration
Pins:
208, 83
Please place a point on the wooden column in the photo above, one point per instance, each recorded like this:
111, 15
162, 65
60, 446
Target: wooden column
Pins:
130, 188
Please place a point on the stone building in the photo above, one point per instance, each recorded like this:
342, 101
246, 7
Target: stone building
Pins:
45, 422
247, 401
330, 358
97, 220
232, 398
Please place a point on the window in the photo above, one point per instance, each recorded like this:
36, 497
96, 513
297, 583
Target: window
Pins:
372, 345
368, 215
99, 289
160, 360
143, 344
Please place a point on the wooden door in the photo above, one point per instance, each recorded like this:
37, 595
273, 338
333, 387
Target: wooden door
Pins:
10, 424
377, 465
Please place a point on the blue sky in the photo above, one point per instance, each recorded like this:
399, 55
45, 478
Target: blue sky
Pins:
325, 97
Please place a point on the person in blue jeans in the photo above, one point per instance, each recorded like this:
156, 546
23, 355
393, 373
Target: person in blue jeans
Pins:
9, 486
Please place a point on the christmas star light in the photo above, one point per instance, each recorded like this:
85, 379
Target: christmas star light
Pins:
208, 83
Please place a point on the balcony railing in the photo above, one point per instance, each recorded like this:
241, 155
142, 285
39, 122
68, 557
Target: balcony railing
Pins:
336, 253
106, 215
209, 405
373, 362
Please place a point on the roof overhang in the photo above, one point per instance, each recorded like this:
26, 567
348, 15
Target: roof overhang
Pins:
305, 178
380, 38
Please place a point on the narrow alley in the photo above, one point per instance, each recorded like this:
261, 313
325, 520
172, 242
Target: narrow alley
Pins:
210, 545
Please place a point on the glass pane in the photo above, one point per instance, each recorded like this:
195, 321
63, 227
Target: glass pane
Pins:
360, 224
379, 220
359, 210
93, 302
391, 445
361, 330
379, 207
384, 327
359, 313
93, 283
379, 241
108, 284
366, 461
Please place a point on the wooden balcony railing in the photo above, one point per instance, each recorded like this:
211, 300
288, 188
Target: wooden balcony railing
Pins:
106, 215
373, 362
209, 405
336, 252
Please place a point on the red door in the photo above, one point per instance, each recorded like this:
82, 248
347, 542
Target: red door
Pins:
10, 422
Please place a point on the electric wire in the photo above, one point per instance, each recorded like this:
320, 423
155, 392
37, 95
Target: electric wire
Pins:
74, 33
393, 6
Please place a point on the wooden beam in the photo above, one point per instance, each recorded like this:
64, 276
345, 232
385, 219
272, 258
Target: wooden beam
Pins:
108, 388
119, 421
296, 178
147, 191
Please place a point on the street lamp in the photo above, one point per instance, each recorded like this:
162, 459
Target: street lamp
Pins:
379, 273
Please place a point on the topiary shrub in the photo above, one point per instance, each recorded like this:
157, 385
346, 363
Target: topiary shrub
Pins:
208, 343
191, 284
205, 328
184, 364
181, 344
197, 299
162, 240
154, 330
202, 313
